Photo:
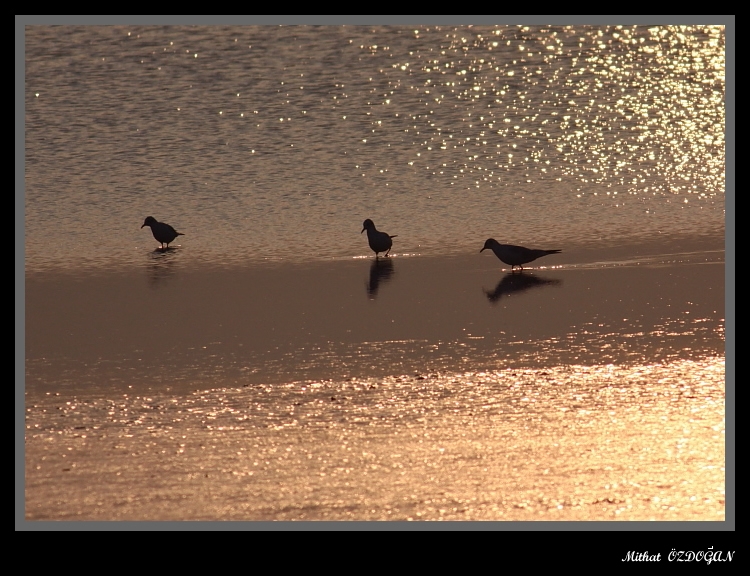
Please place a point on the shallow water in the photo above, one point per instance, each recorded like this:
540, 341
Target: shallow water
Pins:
263, 142
266, 366
453, 390
644, 442
195, 328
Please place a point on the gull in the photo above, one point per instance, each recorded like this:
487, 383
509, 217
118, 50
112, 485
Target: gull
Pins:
379, 241
163, 233
515, 255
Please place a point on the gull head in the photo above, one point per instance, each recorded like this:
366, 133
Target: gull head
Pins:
488, 244
367, 225
149, 221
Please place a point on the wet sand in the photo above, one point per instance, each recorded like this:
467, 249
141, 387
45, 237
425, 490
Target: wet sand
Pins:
590, 387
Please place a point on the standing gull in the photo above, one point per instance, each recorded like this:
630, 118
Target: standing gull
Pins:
379, 241
515, 255
163, 233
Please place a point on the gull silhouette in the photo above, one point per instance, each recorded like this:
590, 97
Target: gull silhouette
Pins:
515, 255
379, 241
163, 233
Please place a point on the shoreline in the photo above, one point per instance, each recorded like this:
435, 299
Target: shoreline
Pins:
190, 258
182, 328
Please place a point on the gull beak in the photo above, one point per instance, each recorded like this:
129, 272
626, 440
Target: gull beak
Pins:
482, 250
142, 226
363, 229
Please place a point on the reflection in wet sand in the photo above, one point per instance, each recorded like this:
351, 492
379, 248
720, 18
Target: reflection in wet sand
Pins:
83, 331
161, 266
520, 282
381, 271
284, 394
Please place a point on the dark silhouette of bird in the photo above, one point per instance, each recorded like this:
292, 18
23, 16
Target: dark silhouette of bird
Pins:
515, 255
379, 241
515, 283
163, 233
380, 272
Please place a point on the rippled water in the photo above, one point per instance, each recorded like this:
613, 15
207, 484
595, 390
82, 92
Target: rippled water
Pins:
577, 443
265, 142
205, 382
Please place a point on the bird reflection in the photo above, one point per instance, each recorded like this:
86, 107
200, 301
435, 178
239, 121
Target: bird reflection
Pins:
162, 266
163, 250
381, 270
514, 282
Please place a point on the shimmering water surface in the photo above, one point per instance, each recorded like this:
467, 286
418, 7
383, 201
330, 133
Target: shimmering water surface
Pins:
575, 443
264, 142
267, 366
